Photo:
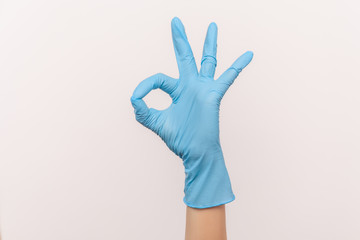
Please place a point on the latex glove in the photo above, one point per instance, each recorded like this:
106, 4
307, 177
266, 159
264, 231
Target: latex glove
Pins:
190, 125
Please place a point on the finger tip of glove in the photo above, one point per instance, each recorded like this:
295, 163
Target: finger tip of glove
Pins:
247, 57
249, 54
213, 25
176, 22
212, 30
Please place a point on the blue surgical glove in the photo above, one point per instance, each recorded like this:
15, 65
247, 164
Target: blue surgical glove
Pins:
190, 125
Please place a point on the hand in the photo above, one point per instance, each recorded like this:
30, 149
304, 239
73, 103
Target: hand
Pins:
190, 125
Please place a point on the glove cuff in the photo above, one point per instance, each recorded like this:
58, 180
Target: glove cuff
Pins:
207, 182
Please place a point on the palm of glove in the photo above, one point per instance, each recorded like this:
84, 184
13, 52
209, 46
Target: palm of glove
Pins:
190, 125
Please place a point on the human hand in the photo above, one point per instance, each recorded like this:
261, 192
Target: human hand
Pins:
190, 125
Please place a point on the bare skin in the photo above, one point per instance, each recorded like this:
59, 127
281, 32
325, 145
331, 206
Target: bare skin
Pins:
205, 224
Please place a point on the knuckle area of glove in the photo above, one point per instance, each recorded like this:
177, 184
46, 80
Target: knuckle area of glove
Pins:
188, 58
237, 71
141, 118
209, 59
145, 119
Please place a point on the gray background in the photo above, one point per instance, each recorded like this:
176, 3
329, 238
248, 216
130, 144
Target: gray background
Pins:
76, 165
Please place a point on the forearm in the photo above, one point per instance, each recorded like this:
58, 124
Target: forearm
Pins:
205, 224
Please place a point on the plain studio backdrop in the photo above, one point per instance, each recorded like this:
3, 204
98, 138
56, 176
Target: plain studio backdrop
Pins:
75, 164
